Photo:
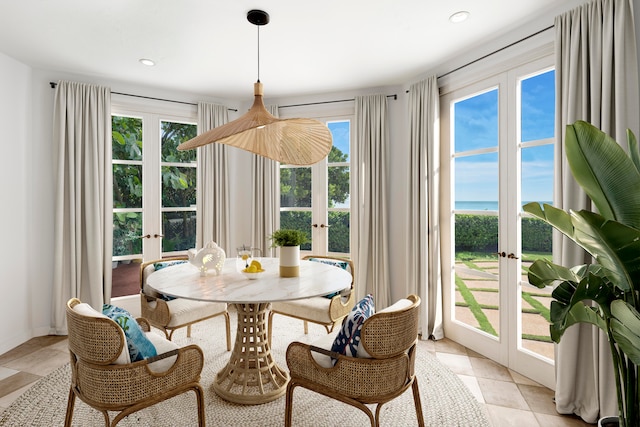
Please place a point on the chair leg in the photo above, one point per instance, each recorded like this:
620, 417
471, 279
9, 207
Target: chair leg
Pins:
306, 327
188, 331
227, 322
288, 405
200, 402
115, 421
416, 402
70, 404
377, 417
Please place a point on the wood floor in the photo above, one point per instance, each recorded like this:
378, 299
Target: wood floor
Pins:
509, 398
125, 279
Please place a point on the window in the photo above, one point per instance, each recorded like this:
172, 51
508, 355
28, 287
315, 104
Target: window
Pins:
315, 199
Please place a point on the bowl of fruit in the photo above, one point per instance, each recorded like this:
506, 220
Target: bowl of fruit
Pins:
253, 271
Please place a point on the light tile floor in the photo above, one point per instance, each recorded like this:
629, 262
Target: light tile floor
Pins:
509, 398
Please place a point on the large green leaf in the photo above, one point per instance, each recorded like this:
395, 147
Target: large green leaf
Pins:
574, 286
593, 286
579, 313
605, 172
555, 217
634, 151
544, 273
625, 327
615, 246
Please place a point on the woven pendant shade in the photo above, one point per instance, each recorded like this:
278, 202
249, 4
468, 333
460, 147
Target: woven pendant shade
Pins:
289, 141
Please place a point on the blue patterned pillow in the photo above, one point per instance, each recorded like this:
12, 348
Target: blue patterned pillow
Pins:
138, 344
160, 265
337, 263
348, 338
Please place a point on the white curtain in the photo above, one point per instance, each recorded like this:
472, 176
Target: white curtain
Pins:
265, 208
369, 234
596, 81
423, 226
83, 202
212, 201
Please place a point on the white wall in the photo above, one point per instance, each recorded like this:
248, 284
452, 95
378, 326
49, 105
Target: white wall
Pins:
16, 323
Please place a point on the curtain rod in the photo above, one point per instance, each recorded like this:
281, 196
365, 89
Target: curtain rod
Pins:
53, 86
496, 51
394, 96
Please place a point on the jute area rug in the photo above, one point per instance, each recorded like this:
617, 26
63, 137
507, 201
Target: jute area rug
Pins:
445, 399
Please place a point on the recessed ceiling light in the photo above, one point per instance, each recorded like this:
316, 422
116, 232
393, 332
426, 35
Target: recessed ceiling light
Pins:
147, 62
459, 16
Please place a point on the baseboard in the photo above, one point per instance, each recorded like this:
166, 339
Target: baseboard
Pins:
9, 343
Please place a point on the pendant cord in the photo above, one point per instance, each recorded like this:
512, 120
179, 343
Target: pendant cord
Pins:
258, 26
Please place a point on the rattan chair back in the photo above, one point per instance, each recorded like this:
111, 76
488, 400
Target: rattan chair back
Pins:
389, 334
390, 339
95, 340
95, 344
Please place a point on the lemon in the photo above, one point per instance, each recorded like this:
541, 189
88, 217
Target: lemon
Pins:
257, 264
252, 269
245, 257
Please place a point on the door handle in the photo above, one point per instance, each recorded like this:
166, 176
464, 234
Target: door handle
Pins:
511, 256
158, 235
502, 254
146, 236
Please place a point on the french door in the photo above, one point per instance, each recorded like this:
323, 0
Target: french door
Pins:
154, 191
499, 136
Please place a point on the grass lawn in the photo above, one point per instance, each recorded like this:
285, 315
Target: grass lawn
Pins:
478, 261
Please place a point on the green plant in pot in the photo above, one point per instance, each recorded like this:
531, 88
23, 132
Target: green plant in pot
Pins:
289, 241
605, 292
288, 237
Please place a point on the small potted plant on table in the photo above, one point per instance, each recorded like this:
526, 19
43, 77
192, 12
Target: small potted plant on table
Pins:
289, 242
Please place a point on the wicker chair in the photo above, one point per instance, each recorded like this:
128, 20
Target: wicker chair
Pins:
102, 379
327, 312
389, 338
179, 312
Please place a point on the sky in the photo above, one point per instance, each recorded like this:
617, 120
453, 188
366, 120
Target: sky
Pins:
476, 127
341, 135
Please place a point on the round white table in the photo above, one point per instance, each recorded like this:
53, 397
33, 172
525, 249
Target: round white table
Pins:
251, 376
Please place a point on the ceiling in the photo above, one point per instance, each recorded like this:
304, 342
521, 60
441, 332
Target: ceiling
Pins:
208, 47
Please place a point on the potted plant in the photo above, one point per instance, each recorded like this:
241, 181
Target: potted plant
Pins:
611, 179
289, 241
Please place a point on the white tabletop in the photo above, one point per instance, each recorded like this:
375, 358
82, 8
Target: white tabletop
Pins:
231, 286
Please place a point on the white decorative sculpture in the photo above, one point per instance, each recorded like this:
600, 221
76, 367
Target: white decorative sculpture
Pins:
211, 257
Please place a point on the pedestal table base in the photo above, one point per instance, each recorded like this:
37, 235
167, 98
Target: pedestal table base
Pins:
251, 376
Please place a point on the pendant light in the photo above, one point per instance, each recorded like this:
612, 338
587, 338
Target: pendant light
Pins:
289, 141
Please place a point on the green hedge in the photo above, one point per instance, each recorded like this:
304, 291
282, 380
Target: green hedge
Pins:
479, 233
